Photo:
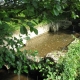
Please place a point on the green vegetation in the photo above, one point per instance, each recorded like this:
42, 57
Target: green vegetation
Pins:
28, 13
25, 14
67, 68
71, 62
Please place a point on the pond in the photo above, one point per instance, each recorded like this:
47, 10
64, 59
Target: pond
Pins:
48, 42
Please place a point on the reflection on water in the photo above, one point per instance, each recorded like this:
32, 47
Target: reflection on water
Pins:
48, 42
4, 75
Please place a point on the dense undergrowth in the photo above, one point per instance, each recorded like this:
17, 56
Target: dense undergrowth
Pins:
67, 68
71, 62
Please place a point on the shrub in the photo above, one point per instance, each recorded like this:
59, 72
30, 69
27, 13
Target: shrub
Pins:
71, 61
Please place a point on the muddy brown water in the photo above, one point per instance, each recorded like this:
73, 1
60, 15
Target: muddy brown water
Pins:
48, 42
44, 44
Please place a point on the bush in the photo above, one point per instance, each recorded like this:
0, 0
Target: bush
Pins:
66, 68
71, 61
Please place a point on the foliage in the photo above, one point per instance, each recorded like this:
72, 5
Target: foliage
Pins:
25, 14
67, 68
11, 55
19, 13
13, 58
71, 61
49, 69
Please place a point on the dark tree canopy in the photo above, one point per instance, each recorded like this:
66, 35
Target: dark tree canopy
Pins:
16, 12
38, 8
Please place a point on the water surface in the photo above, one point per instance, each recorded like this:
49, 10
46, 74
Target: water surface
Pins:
49, 42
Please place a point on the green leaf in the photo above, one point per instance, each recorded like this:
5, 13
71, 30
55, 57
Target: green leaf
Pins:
30, 24
26, 71
24, 67
23, 30
15, 71
74, 15
31, 29
0, 22
35, 30
35, 4
39, 66
56, 12
58, 7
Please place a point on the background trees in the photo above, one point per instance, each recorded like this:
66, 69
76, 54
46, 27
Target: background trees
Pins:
15, 14
21, 12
